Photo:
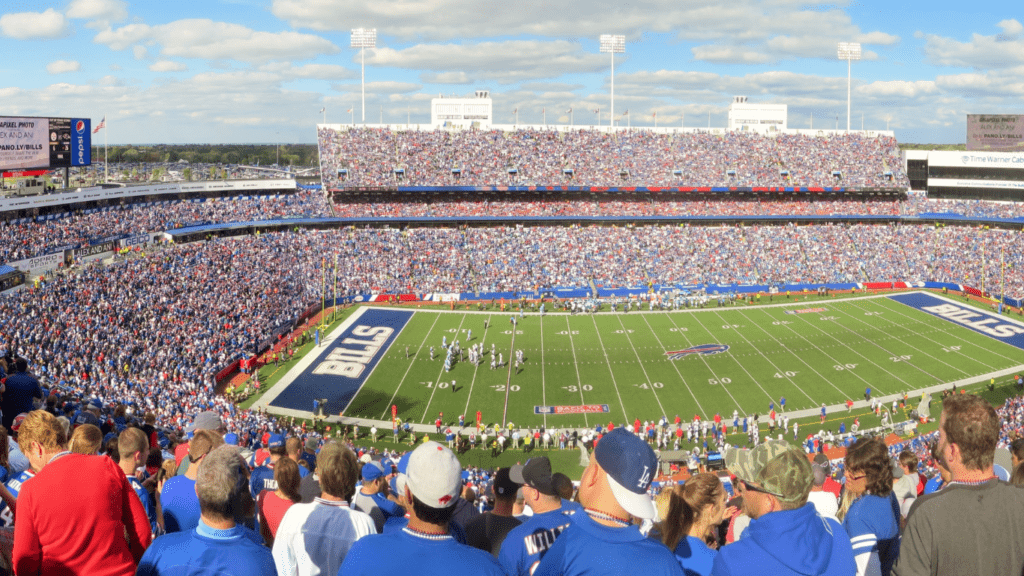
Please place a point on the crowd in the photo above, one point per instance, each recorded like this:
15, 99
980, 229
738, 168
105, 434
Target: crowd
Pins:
384, 157
26, 240
150, 500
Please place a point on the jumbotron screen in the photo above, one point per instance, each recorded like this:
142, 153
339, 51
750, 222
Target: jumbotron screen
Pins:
995, 132
30, 142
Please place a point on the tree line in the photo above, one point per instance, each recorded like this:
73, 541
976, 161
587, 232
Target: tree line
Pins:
262, 154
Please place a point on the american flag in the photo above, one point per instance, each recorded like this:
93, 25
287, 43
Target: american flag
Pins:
349, 110
100, 126
569, 111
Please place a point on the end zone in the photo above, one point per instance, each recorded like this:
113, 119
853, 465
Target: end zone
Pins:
992, 325
338, 368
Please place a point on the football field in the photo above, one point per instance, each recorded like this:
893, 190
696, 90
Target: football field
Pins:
586, 369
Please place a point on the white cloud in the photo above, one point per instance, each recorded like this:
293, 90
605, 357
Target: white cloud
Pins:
505, 62
106, 10
741, 31
445, 78
982, 52
898, 89
203, 38
34, 25
381, 88
167, 66
287, 70
63, 66
139, 51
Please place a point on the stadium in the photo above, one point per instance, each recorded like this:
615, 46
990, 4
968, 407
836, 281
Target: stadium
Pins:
532, 281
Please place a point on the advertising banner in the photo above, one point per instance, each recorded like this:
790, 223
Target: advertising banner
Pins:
1003, 132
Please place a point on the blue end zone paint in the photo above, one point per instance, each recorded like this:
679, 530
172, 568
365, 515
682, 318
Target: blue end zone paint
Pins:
344, 358
991, 325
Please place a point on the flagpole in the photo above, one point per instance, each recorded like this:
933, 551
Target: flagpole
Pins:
1002, 278
334, 305
106, 165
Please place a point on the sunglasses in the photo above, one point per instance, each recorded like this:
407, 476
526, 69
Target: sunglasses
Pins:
747, 487
855, 478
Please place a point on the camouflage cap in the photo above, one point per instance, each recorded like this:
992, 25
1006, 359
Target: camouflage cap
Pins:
777, 467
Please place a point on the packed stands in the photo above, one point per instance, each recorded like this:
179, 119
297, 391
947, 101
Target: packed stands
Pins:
384, 157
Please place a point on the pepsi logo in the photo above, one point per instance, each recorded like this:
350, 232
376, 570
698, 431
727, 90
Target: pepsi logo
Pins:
80, 126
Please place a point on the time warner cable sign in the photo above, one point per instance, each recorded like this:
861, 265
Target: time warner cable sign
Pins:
992, 325
340, 370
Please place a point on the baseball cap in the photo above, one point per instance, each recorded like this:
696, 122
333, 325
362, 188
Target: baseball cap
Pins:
822, 461
434, 475
503, 484
95, 404
780, 469
630, 465
208, 420
18, 420
536, 474
231, 438
275, 441
312, 442
388, 465
372, 471
897, 470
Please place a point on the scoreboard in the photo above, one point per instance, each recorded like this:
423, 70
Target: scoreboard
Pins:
46, 143
995, 132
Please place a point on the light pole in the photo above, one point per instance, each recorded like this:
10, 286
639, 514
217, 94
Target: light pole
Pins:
613, 44
364, 38
849, 51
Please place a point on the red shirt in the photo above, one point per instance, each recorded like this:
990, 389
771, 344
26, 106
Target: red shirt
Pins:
272, 509
180, 451
73, 518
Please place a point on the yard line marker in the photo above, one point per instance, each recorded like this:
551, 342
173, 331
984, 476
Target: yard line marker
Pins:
404, 376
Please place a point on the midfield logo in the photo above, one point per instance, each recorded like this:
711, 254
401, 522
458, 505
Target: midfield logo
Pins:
703, 350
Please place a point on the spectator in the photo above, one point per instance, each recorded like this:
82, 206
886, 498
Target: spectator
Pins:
178, 497
690, 527
133, 452
870, 511
830, 485
433, 482
942, 475
972, 525
315, 538
372, 497
86, 439
785, 535
613, 491
909, 482
219, 544
526, 544
21, 389
263, 476
100, 527
488, 530
824, 501
273, 505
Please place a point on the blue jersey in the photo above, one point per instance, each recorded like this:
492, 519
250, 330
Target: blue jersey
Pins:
204, 550
262, 478
586, 547
526, 544
406, 551
146, 499
873, 524
180, 504
13, 486
694, 556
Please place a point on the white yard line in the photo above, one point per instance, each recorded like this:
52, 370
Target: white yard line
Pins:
406, 375
675, 366
639, 361
608, 361
576, 364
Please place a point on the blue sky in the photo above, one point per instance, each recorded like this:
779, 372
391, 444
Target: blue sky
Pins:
259, 71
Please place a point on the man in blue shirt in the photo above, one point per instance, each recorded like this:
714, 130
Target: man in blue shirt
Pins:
178, 496
426, 546
526, 544
786, 536
603, 538
263, 477
219, 544
133, 450
21, 389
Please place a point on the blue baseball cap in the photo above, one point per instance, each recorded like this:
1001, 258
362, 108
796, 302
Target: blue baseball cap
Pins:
388, 466
403, 463
231, 439
275, 441
372, 470
630, 465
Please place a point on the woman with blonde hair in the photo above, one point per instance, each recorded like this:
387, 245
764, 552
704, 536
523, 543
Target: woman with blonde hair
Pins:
695, 510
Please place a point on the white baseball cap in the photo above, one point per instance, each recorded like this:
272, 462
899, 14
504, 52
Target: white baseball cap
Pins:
434, 475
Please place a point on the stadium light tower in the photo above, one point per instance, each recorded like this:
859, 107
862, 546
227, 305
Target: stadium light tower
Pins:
364, 38
849, 51
613, 44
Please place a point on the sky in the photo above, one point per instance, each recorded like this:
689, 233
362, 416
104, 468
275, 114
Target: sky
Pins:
260, 71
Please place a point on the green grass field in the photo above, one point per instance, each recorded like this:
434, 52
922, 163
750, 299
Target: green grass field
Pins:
619, 360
